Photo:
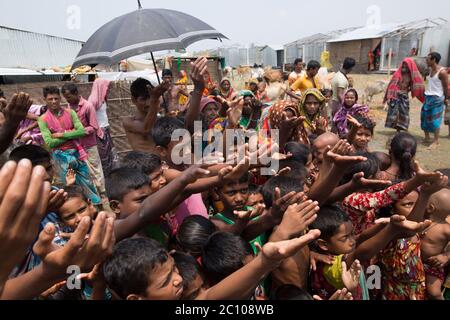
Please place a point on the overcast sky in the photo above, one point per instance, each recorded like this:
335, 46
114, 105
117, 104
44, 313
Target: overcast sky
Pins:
273, 22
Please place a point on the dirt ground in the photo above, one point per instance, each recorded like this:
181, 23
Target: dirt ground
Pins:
430, 159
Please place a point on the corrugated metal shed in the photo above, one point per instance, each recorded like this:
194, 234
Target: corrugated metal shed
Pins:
311, 47
24, 49
399, 38
367, 33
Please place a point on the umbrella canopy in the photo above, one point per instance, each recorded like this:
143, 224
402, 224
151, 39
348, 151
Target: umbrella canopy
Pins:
143, 31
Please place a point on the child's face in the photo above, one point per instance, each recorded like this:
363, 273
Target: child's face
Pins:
350, 99
193, 288
404, 206
158, 180
362, 138
312, 105
343, 242
254, 199
310, 164
234, 196
165, 282
132, 201
73, 210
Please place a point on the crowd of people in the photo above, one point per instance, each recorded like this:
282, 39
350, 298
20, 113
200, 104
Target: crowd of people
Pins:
335, 219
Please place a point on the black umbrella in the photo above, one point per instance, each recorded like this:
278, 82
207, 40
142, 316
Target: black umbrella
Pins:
143, 31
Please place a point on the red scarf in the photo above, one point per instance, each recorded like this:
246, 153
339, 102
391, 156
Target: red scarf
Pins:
418, 85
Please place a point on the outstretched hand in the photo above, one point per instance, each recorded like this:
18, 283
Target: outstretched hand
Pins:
343, 294
234, 112
362, 183
156, 92
84, 249
17, 109
281, 203
425, 176
433, 187
24, 196
353, 121
403, 227
350, 277
342, 161
298, 217
256, 211
198, 71
57, 199
278, 251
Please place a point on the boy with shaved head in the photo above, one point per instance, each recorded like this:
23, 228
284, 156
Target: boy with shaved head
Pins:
435, 241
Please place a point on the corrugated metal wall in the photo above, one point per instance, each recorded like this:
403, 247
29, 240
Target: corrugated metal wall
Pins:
292, 52
269, 57
21, 49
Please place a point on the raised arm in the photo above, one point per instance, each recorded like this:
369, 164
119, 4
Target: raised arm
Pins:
240, 284
322, 189
199, 68
155, 94
14, 112
156, 204
356, 184
79, 251
397, 227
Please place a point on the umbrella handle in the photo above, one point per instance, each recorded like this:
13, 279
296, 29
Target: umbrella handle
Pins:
159, 80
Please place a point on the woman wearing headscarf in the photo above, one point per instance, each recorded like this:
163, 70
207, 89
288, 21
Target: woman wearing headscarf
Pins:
296, 122
226, 90
310, 109
349, 107
407, 78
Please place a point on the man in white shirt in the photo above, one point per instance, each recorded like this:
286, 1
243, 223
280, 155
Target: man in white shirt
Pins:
436, 99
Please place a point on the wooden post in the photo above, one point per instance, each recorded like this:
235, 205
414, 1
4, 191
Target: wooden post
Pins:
389, 62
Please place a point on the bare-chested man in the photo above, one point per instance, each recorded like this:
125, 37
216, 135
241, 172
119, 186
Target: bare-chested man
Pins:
146, 98
172, 95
